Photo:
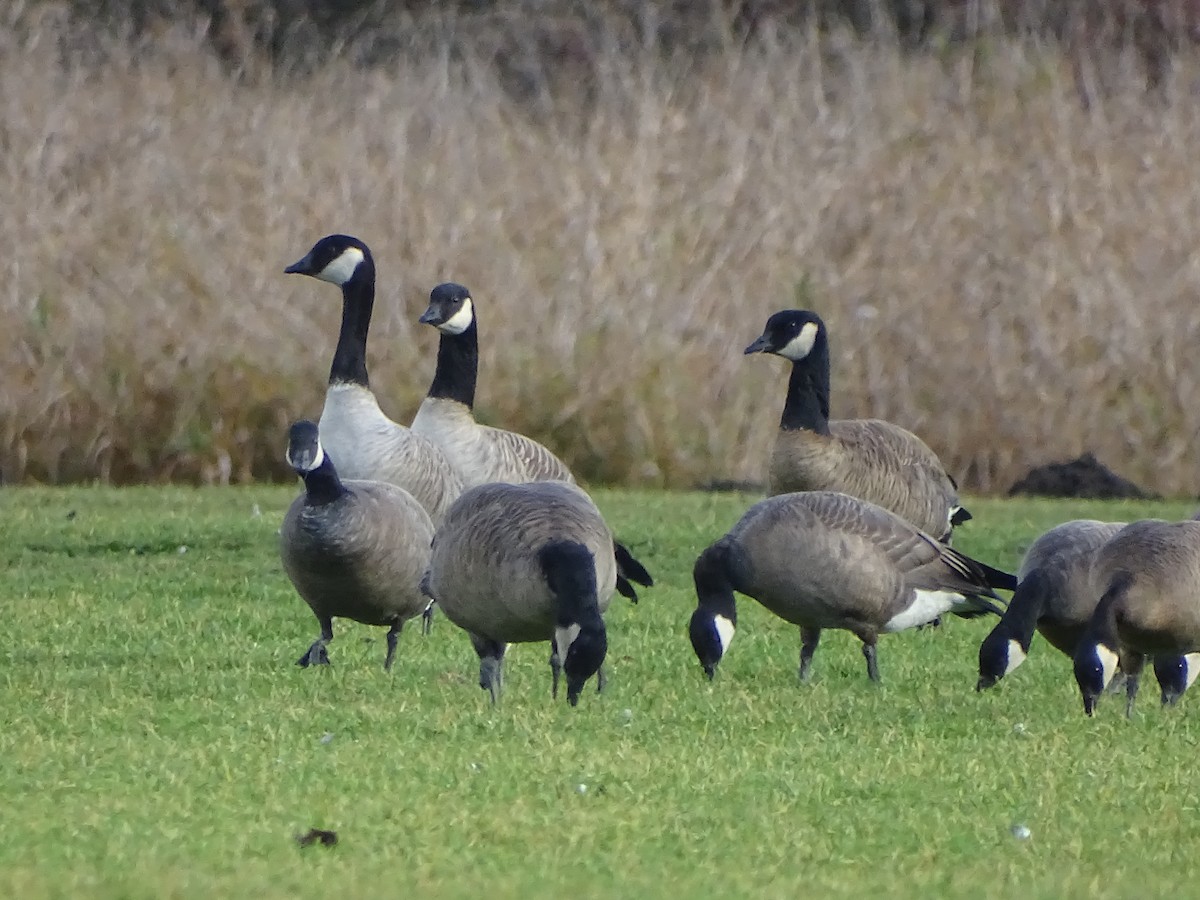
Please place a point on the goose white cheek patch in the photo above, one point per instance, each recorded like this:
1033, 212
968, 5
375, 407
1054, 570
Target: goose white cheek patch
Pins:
1108, 662
724, 632
460, 321
563, 639
317, 458
801, 345
342, 269
1016, 656
1191, 668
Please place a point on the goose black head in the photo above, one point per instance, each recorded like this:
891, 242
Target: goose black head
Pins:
1095, 665
710, 633
304, 453
999, 655
791, 334
336, 258
450, 310
1175, 675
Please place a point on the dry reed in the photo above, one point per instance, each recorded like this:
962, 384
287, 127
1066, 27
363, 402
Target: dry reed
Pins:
1003, 272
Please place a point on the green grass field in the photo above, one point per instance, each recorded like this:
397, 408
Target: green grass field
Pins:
158, 741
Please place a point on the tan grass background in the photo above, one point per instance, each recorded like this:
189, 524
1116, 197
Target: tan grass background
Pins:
1005, 273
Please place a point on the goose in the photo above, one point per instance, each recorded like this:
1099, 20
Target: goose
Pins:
866, 458
823, 559
1148, 581
1054, 596
352, 549
481, 453
518, 563
354, 430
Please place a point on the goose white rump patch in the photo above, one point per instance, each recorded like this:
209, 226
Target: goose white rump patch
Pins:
926, 606
342, 268
460, 321
801, 345
724, 632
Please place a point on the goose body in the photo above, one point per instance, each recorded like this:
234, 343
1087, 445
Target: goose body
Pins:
489, 576
480, 453
1147, 578
352, 549
870, 459
355, 431
824, 559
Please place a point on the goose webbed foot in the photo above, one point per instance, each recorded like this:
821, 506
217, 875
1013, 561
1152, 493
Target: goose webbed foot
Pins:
317, 655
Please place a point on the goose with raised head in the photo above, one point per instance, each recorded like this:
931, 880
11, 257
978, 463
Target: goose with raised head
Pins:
520, 563
870, 459
482, 453
822, 559
1147, 578
352, 549
354, 430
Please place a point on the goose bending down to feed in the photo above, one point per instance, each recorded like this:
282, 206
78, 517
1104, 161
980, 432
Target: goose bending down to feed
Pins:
1054, 596
823, 559
516, 563
481, 453
353, 549
354, 430
866, 458
1148, 582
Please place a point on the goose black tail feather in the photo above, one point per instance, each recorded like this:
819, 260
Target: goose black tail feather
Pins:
996, 578
629, 570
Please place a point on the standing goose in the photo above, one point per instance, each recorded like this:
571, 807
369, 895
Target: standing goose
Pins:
517, 563
1148, 581
353, 549
866, 458
481, 453
354, 430
823, 559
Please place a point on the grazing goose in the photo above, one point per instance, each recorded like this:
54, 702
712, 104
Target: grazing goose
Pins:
354, 430
483, 454
516, 563
1054, 596
1148, 581
866, 458
822, 559
353, 549
1175, 674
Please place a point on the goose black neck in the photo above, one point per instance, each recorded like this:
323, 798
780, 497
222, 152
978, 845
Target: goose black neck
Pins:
807, 403
358, 299
714, 589
457, 367
322, 485
1028, 602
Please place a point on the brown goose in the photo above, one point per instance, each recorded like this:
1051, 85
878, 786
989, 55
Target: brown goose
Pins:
354, 430
353, 549
516, 563
481, 453
1148, 581
866, 458
821, 559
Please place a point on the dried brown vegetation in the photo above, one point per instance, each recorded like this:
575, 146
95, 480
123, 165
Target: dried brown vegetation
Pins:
1008, 274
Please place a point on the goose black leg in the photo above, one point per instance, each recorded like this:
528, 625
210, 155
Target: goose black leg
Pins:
809, 638
491, 661
555, 670
317, 655
427, 619
872, 663
1132, 664
392, 636
601, 680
